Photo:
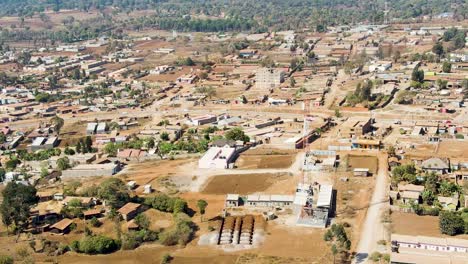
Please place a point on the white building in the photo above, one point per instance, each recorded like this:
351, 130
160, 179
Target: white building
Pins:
429, 243
217, 158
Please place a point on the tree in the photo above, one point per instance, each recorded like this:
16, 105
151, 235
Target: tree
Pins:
447, 67
114, 192
18, 200
337, 237
111, 149
396, 56
89, 144
208, 91
164, 148
337, 113
451, 223
142, 221
4, 259
97, 245
57, 123
2, 174
164, 136
237, 134
292, 82
151, 143
417, 75
78, 146
438, 49
63, 163
202, 204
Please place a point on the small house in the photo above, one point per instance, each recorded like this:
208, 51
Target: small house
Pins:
361, 172
436, 165
62, 227
408, 197
129, 211
147, 189
92, 213
448, 203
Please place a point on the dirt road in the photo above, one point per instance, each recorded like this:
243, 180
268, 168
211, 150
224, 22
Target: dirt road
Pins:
373, 229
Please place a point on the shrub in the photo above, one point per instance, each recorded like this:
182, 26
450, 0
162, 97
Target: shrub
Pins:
97, 245
95, 222
6, 259
166, 259
382, 242
166, 203
451, 223
375, 256
75, 245
181, 233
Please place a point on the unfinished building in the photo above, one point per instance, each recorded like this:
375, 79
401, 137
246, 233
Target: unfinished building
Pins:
315, 214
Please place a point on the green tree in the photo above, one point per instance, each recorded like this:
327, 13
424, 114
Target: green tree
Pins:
57, 123
202, 204
111, 149
142, 221
237, 134
438, 49
97, 245
164, 136
2, 174
164, 148
18, 200
292, 82
451, 223
114, 192
4, 259
63, 163
417, 75
447, 67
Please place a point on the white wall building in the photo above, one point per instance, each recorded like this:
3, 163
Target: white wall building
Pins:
217, 158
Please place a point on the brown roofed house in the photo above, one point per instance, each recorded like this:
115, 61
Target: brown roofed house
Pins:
130, 210
62, 227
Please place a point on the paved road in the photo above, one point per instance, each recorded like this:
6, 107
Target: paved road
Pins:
373, 229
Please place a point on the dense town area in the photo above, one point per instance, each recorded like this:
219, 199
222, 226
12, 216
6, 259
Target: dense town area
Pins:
218, 143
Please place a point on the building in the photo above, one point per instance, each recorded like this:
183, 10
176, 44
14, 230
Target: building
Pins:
426, 243
436, 165
129, 211
88, 170
62, 227
92, 213
361, 172
268, 78
266, 200
41, 143
189, 78
203, 120
232, 200
217, 158
448, 203
366, 144
355, 127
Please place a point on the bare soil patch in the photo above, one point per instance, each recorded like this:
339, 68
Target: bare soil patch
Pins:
363, 162
412, 224
243, 183
247, 161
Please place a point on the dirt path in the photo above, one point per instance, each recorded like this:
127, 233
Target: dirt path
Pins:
373, 228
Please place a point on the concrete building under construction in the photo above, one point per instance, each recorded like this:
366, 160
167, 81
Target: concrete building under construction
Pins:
315, 205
